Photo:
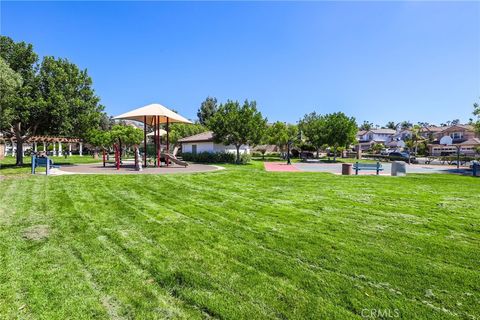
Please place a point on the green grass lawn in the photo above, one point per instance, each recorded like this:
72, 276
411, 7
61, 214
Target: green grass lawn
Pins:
7, 165
239, 243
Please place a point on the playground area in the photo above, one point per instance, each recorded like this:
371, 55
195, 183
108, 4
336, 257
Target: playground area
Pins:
129, 168
336, 168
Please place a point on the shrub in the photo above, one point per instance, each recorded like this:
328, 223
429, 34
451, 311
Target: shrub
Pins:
274, 154
215, 157
209, 157
245, 158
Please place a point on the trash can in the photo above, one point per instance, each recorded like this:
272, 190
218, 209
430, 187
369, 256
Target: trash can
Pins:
399, 168
476, 169
346, 169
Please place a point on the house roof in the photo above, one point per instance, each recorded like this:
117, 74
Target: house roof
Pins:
446, 128
458, 126
431, 129
201, 137
471, 141
382, 131
266, 147
361, 132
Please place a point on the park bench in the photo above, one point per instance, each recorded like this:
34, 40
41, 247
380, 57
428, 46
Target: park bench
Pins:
42, 162
367, 166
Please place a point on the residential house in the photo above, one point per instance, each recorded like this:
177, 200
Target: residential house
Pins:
369, 137
431, 132
204, 142
463, 137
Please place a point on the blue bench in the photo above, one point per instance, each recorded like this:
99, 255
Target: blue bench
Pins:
367, 166
42, 162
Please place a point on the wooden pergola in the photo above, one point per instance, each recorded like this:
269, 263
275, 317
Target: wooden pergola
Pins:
53, 139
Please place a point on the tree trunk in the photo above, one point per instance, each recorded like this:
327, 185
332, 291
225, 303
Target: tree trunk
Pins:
318, 153
238, 153
19, 161
334, 154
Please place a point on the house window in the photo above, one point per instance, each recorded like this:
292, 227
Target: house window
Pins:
194, 148
456, 135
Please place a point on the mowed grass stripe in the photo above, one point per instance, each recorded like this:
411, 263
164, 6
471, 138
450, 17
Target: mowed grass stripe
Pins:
271, 241
129, 287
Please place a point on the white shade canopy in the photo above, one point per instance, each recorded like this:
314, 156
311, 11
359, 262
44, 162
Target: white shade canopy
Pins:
160, 133
150, 112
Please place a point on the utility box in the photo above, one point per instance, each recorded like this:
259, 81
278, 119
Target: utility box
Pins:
346, 169
399, 168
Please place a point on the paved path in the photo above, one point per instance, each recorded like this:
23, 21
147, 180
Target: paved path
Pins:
97, 168
279, 166
336, 168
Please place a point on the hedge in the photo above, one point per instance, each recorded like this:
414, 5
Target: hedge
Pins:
215, 157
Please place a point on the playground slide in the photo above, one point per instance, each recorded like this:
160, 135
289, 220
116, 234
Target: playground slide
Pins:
174, 159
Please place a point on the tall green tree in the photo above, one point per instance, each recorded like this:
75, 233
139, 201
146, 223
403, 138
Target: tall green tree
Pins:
391, 125
55, 98
415, 136
476, 112
72, 105
238, 125
10, 81
126, 136
98, 139
405, 125
182, 130
207, 110
312, 126
22, 110
280, 133
340, 131
366, 125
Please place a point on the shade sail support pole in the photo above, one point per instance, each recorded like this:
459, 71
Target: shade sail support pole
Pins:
155, 140
158, 142
168, 141
145, 141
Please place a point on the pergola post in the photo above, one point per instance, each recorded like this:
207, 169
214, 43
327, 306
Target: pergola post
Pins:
80, 149
54, 148
35, 146
70, 149
44, 147
59, 148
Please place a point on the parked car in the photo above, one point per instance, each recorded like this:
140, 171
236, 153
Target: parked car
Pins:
402, 156
306, 155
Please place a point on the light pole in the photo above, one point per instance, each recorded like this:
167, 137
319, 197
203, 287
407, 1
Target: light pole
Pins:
288, 151
290, 143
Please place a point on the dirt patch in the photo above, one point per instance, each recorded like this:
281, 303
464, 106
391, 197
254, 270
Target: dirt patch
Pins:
36, 233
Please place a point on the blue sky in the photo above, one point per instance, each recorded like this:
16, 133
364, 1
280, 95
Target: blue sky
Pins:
377, 61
